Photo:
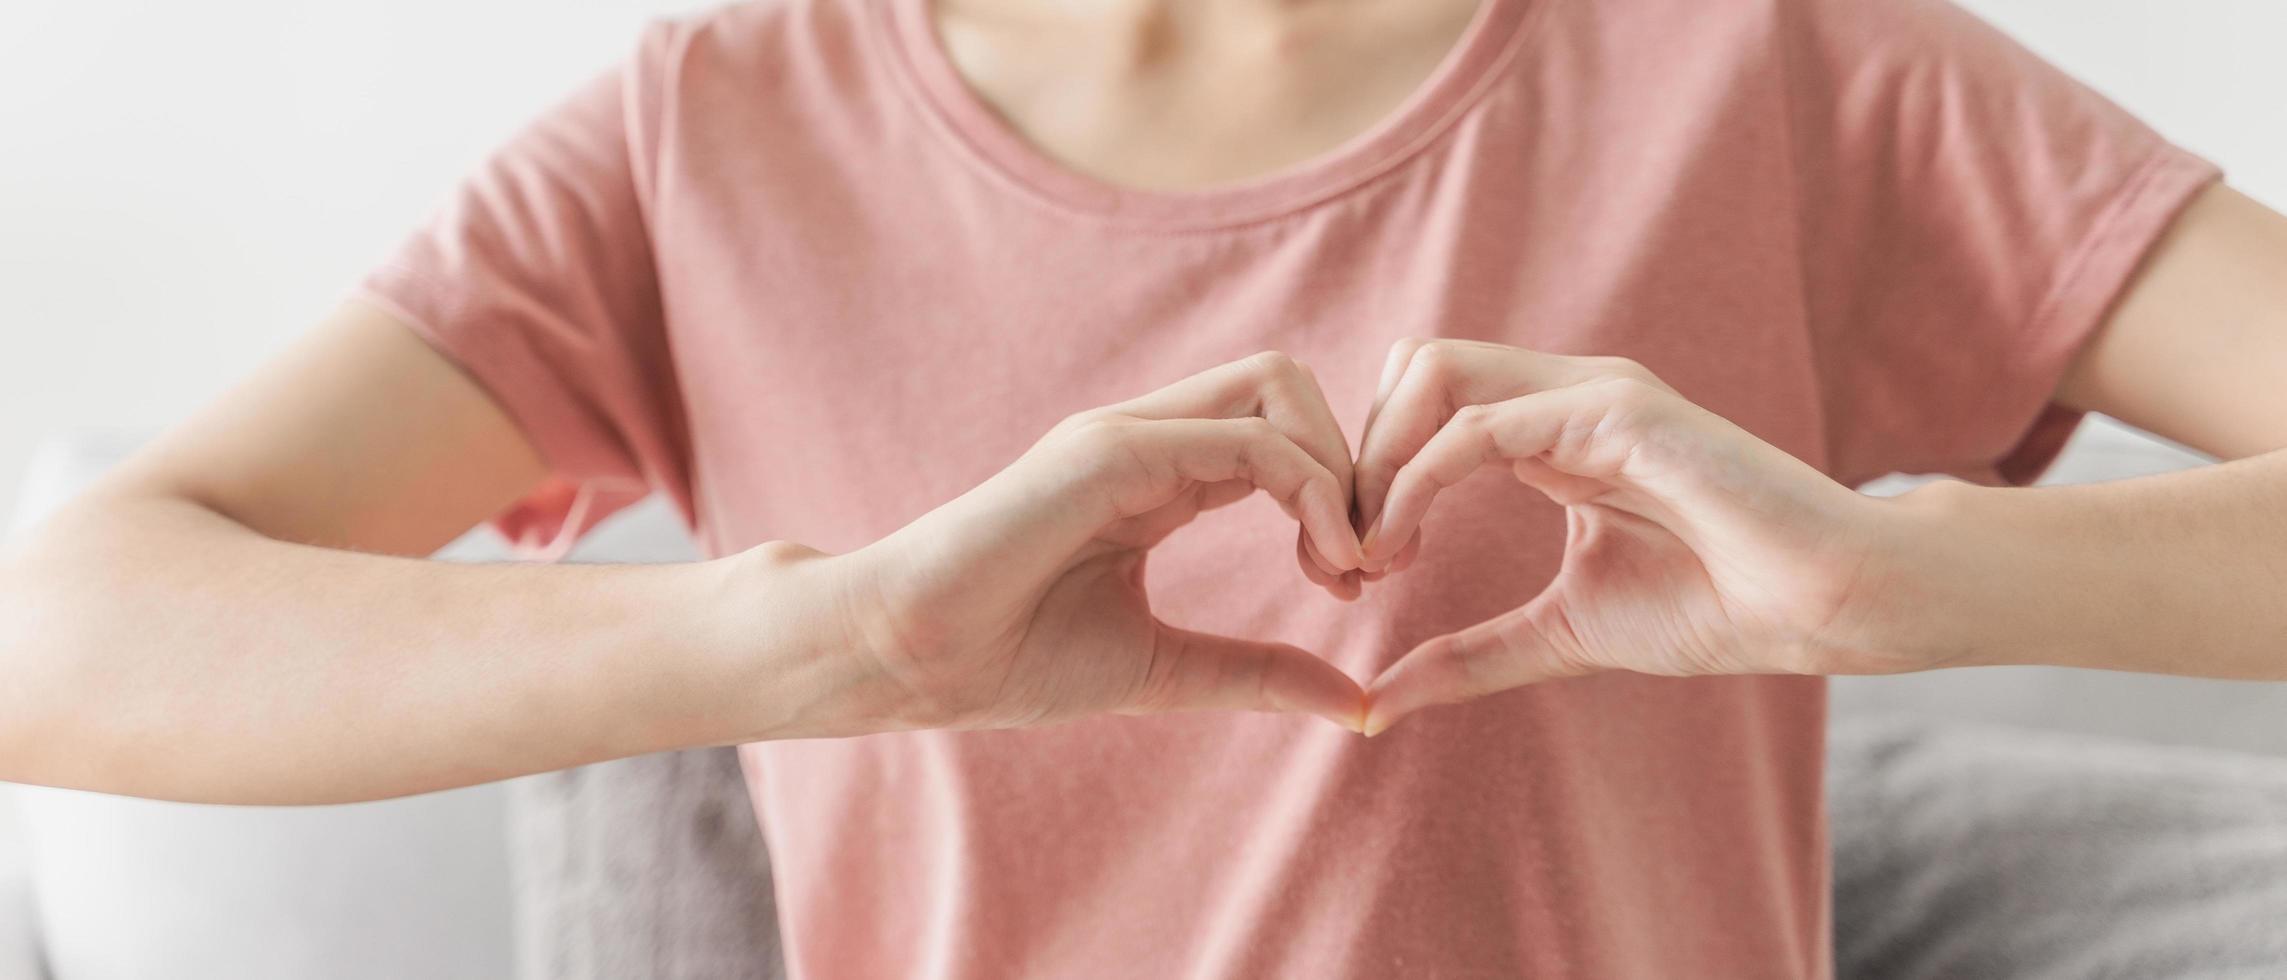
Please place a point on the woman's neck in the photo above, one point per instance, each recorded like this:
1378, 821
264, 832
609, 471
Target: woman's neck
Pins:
1173, 94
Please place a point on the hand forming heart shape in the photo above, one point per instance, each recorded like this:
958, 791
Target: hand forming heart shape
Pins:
1692, 546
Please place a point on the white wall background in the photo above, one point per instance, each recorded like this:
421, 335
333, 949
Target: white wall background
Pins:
184, 186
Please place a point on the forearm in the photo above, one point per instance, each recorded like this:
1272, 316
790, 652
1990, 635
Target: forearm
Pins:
154, 648
2184, 573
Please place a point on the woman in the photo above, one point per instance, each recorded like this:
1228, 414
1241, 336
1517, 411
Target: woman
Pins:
825, 271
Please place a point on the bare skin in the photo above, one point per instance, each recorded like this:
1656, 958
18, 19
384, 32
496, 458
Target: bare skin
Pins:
195, 628
1696, 548
1177, 94
237, 614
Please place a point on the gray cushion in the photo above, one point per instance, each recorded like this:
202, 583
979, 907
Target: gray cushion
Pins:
643, 867
1965, 851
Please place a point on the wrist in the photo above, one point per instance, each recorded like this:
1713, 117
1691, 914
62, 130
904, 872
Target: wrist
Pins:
786, 638
1955, 579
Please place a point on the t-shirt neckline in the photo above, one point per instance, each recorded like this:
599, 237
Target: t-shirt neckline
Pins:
1483, 47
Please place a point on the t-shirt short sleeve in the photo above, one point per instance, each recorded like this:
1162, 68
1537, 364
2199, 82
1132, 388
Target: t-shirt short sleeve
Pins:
537, 279
1970, 216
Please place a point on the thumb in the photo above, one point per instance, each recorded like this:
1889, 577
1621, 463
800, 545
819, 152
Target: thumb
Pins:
1508, 651
1193, 671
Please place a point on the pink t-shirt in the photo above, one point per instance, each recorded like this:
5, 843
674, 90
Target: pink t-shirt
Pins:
784, 268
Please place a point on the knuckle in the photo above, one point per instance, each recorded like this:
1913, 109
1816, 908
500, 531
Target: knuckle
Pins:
1095, 430
1077, 420
1271, 379
1097, 441
1627, 368
1631, 393
1619, 367
1438, 359
1274, 365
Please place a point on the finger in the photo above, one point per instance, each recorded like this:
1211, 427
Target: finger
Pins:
1507, 651
1407, 555
1193, 671
1435, 379
1143, 465
1404, 560
1226, 390
1401, 357
1393, 368
1407, 411
1520, 428
1271, 386
1300, 410
1305, 555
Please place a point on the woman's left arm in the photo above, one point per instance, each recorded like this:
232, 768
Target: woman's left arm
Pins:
2184, 573
2196, 349
1696, 548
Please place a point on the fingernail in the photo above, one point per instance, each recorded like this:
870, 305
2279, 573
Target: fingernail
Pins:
1366, 543
1374, 721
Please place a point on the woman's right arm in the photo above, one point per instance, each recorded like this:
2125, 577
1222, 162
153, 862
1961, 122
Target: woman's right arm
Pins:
237, 614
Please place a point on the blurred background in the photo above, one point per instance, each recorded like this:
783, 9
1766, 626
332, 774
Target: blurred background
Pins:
186, 186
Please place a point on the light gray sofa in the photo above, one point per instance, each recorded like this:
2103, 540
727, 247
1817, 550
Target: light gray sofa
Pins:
652, 867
